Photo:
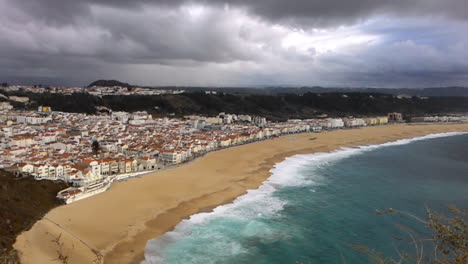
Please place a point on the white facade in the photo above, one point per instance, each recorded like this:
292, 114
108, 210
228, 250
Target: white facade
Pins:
120, 116
5, 106
171, 157
336, 122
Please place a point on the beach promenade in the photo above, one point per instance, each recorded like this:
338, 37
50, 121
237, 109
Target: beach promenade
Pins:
119, 222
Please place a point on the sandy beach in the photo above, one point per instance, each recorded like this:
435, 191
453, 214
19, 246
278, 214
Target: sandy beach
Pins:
119, 222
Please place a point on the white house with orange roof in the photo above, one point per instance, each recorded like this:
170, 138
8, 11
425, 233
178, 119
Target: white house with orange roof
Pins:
260, 134
225, 142
41, 171
26, 168
125, 165
52, 173
147, 163
59, 171
93, 165
113, 166
88, 177
49, 137
186, 154
22, 141
104, 166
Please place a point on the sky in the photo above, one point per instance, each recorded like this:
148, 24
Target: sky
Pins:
333, 43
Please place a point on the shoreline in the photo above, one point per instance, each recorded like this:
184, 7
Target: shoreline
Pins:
160, 200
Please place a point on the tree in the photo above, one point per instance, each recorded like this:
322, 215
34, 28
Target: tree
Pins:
96, 147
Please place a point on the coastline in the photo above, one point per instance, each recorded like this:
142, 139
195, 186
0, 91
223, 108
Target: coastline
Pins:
119, 225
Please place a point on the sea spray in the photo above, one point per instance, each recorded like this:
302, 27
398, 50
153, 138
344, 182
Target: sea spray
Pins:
239, 231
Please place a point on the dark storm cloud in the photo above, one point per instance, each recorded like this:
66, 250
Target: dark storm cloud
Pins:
316, 12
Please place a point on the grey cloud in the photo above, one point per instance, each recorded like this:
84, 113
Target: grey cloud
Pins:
153, 36
165, 35
332, 12
312, 12
157, 42
406, 63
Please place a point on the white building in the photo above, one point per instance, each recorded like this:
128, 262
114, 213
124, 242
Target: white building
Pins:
244, 118
122, 117
5, 106
336, 123
171, 157
259, 121
354, 122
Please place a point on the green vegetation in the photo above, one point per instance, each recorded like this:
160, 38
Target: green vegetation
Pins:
111, 83
279, 107
286, 106
451, 236
95, 147
76, 103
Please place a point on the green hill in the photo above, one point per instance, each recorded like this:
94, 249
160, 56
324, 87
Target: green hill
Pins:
110, 83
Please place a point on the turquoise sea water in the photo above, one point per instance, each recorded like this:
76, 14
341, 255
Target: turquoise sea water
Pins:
314, 206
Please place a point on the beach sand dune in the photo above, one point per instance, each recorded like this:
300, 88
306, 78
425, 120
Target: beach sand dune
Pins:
119, 222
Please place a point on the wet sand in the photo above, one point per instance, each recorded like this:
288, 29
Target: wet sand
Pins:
119, 222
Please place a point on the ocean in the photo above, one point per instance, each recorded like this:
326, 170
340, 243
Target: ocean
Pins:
315, 206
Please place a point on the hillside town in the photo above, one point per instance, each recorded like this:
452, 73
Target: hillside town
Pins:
93, 90
91, 151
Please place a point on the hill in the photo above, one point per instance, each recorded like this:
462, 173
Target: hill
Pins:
274, 107
281, 107
424, 92
110, 83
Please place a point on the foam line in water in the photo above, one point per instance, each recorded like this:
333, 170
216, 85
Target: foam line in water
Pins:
260, 203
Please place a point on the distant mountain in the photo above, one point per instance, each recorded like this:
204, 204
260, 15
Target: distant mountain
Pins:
110, 83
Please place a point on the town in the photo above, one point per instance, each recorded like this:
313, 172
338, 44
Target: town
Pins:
92, 151
93, 90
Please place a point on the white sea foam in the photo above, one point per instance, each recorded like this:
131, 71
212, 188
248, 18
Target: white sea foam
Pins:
260, 203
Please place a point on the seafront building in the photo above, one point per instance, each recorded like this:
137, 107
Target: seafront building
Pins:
440, 119
395, 117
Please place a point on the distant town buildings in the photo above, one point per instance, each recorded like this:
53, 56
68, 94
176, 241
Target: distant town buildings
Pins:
432, 119
395, 117
95, 90
5, 106
44, 109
